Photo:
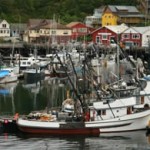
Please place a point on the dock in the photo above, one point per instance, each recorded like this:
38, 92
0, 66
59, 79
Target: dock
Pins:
8, 125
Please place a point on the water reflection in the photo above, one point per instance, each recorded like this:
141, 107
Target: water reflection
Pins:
7, 96
120, 141
25, 97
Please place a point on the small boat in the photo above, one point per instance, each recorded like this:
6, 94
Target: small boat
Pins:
34, 73
6, 76
30, 61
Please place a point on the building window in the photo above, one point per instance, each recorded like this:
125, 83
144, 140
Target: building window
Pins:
135, 36
125, 36
104, 37
83, 30
74, 30
65, 32
135, 44
4, 25
53, 32
98, 39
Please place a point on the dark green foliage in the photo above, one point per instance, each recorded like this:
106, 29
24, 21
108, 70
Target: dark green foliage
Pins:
65, 10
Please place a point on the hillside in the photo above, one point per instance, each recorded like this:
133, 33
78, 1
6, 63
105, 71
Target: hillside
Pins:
64, 10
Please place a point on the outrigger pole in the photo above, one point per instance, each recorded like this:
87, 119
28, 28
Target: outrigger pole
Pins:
74, 89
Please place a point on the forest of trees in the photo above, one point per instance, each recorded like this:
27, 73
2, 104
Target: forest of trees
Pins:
64, 10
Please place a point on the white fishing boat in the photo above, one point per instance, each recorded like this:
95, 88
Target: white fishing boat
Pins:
25, 63
106, 116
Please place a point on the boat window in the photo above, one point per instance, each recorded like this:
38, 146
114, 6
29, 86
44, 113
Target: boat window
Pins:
99, 112
124, 93
28, 63
103, 112
129, 110
142, 99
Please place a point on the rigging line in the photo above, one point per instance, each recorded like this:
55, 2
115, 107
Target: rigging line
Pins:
111, 109
75, 72
95, 87
75, 90
93, 81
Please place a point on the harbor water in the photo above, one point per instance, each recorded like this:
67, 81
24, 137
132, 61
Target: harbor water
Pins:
26, 96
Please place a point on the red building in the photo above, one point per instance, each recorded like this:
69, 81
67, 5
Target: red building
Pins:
106, 35
131, 38
79, 29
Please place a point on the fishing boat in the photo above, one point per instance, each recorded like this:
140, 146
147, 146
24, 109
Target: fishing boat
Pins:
106, 116
34, 73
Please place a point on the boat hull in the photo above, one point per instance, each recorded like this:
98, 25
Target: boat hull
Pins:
56, 128
8, 79
81, 131
131, 122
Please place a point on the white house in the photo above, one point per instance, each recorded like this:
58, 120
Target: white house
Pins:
145, 31
4, 28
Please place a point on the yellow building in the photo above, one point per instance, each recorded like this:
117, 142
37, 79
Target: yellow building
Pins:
115, 15
109, 19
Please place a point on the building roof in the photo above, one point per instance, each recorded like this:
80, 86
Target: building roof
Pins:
131, 15
142, 29
55, 26
19, 26
120, 9
125, 11
1, 20
117, 28
36, 22
73, 24
52, 25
